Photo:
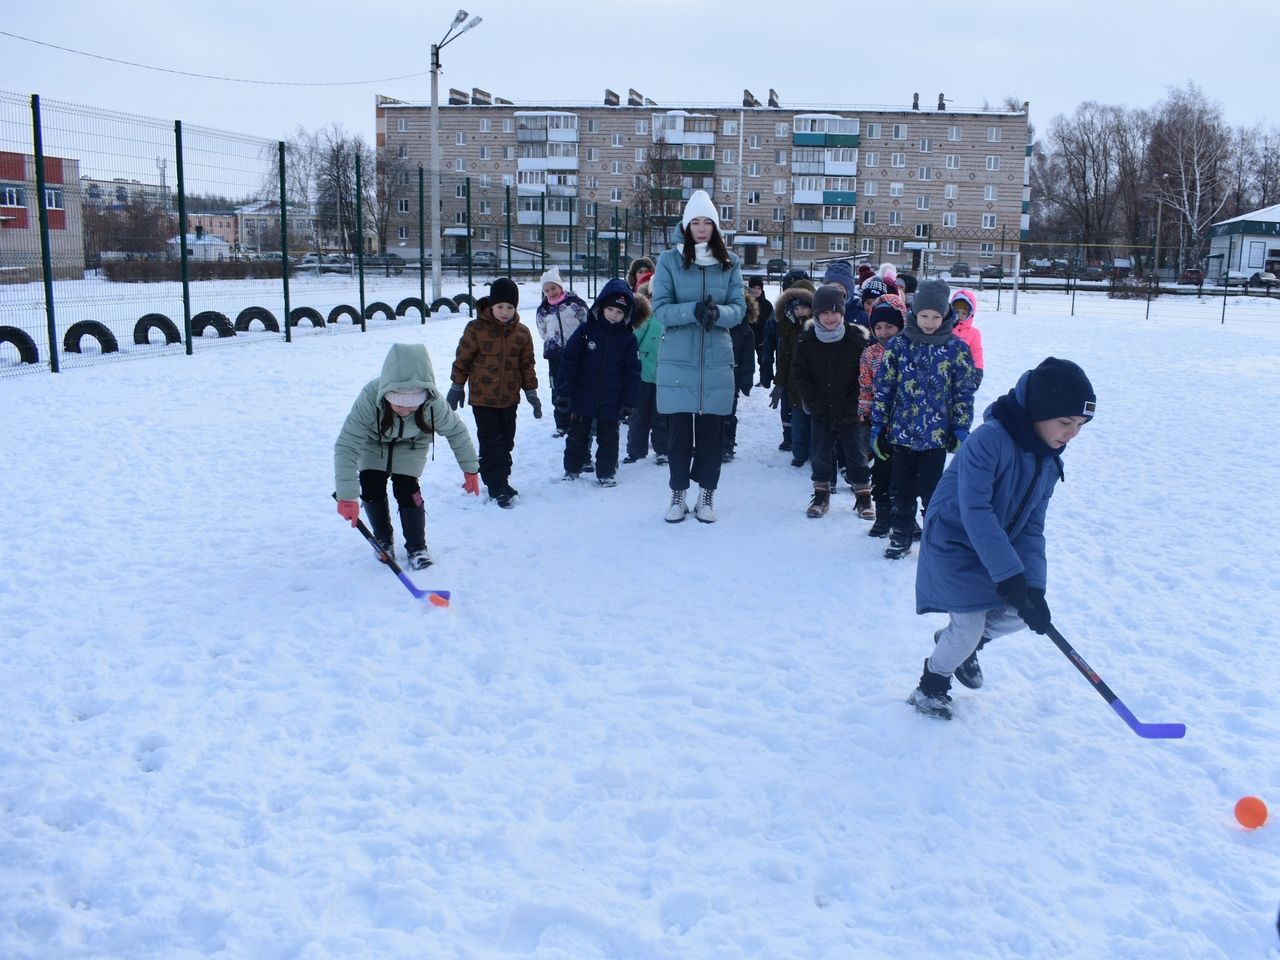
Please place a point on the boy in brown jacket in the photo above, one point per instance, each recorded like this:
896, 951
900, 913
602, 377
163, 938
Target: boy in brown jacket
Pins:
496, 355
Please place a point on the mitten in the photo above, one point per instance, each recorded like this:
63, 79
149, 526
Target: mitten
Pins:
710, 313
471, 483
532, 396
349, 510
775, 396
1014, 592
1040, 618
455, 396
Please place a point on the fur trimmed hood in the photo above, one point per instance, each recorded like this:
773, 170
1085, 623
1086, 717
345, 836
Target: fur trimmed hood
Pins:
781, 307
638, 266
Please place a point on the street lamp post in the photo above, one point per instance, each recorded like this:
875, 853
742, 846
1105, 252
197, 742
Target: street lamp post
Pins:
1164, 180
449, 37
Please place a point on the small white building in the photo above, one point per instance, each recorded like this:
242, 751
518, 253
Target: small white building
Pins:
207, 247
1249, 243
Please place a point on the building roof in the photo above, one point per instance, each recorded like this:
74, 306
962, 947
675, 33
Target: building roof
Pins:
1265, 215
208, 238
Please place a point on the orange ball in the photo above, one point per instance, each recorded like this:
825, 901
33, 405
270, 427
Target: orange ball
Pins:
1251, 812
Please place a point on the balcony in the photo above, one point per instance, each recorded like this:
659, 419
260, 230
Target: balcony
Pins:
560, 135
808, 139
836, 198
807, 226
535, 163
833, 169
555, 218
561, 163
811, 197
531, 134
842, 140
697, 166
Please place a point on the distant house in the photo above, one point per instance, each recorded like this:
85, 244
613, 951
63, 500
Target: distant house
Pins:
1250, 242
207, 247
20, 221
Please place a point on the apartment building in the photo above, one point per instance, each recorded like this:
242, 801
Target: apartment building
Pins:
20, 252
801, 184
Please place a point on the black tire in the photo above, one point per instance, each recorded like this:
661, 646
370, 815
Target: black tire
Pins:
250, 314
89, 328
466, 298
155, 321
298, 314
379, 307
212, 318
344, 310
444, 302
27, 351
411, 303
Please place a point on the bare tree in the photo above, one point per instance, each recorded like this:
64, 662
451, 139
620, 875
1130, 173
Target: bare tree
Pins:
336, 185
394, 180
1192, 144
1081, 168
1136, 200
1242, 165
656, 197
1267, 175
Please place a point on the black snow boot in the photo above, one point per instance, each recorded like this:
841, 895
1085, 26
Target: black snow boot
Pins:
932, 696
379, 514
413, 523
899, 545
883, 522
969, 673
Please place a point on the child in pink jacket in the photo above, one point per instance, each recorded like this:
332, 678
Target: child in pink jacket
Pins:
965, 305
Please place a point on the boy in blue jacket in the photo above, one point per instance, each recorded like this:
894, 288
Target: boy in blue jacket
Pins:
599, 379
982, 556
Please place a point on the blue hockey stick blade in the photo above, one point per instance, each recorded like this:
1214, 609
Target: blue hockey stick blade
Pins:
1149, 731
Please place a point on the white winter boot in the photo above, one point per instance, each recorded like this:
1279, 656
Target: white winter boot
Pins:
705, 510
678, 509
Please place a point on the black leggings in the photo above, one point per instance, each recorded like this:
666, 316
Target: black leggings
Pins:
373, 488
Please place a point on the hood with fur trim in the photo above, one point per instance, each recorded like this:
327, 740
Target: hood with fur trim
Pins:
638, 265
782, 306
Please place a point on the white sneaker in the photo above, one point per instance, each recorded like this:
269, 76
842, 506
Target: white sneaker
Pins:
678, 509
705, 510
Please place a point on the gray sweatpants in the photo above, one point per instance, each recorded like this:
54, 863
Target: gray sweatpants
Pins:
961, 636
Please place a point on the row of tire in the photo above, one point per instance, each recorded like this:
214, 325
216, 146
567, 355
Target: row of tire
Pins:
107, 343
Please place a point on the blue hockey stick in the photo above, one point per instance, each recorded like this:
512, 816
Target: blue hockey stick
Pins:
439, 598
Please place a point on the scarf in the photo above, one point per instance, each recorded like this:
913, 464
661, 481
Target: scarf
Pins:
558, 300
913, 332
702, 256
1015, 419
828, 336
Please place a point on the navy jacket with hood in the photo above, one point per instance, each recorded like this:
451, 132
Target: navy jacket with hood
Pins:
600, 366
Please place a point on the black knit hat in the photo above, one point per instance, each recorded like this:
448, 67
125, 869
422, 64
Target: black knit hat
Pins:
1059, 388
885, 313
828, 297
504, 290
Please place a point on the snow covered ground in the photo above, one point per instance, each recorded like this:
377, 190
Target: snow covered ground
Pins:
228, 731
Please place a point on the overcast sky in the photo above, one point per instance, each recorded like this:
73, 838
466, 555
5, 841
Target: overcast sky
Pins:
1053, 54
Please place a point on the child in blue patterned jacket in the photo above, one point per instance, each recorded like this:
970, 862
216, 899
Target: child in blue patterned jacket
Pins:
923, 406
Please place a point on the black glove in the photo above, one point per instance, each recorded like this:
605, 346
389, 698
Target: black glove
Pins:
455, 396
532, 397
1014, 591
1039, 623
562, 404
745, 390
624, 414
706, 312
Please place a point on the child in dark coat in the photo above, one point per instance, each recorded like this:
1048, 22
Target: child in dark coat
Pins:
825, 374
743, 338
982, 557
600, 380
923, 406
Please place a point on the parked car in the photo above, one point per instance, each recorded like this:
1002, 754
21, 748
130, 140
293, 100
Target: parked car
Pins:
388, 264
992, 271
1121, 268
484, 260
960, 269
1246, 278
1192, 275
326, 263
1093, 274
775, 268
1263, 278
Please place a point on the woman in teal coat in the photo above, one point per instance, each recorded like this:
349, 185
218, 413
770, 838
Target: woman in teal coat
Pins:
697, 297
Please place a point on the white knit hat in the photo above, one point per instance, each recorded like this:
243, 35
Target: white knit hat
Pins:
406, 398
552, 276
700, 205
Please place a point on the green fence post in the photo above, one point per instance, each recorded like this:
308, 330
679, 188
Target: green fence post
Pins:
182, 236
471, 311
508, 233
422, 245
284, 247
360, 240
626, 242
46, 252
1226, 278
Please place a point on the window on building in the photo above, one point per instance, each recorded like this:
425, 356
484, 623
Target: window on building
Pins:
867, 245
779, 214
871, 159
841, 155
753, 197
728, 156
899, 131
615, 195
460, 138
949, 219
642, 126
615, 166
593, 154
779, 156
403, 179
484, 153
728, 184
806, 244
949, 191
873, 131
482, 233
837, 213
507, 181
506, 124
753, 169
898, 160
403, 152
616, 140
754, 141
895, 189
52, 198
838, 245
461, 165
922, 203
484, 181
589, 209
532, 235
950, 248
895, 218
926, 145
869, 218
953, 134
892, 246
593, 126
988, 221
731, 128
640, 154
460, 217
987, 249
484, 125
460, 191
726, 212
989, 191
752, 225
993, 163
779, 187
591, 182
870, 188
486, 207
953, 161
924, 173
402, 125
402, 233
508, 153
775, 243
562, 237
922, 231
402, 205
781, 130
993, 134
